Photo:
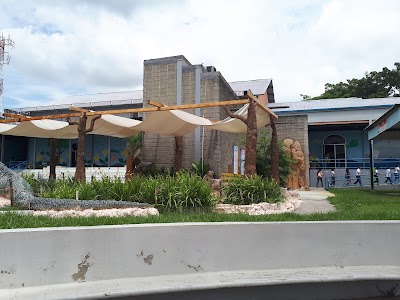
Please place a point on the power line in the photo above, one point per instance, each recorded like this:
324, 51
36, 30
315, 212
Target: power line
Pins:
4, 60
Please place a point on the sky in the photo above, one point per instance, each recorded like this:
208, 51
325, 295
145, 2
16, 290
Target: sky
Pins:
75, 47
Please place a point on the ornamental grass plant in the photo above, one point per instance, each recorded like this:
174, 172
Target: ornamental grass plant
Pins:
183, 191
251, 190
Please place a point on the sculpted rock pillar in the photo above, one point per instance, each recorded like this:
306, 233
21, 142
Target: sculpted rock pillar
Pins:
297, 178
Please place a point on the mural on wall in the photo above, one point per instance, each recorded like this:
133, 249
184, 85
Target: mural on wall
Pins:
96, 153
100, 154
117, 153
353, 144
42, 158
88, 151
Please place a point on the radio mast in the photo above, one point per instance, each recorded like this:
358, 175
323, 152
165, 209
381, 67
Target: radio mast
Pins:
4, 60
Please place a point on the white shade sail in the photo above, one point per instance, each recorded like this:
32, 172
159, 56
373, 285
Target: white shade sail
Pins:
169, 122
172, 122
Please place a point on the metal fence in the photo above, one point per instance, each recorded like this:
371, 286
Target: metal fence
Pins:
353, 163
364, 180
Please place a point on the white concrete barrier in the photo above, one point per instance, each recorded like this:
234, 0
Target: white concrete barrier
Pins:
193, 259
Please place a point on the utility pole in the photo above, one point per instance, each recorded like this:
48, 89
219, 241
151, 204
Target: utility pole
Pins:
4, 60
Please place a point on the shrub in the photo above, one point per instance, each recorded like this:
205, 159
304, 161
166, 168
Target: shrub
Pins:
263, 163
200, 168
184, 191
254, 189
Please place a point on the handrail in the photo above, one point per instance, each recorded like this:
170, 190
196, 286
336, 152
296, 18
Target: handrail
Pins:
353, 162
17, 164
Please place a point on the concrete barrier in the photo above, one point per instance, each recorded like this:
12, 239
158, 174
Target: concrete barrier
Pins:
224, 260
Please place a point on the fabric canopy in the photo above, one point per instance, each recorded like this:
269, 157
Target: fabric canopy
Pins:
235, 125
169, 122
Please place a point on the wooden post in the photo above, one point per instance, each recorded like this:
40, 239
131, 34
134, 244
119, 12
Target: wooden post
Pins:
53, 158
11, 192
80, 172
178, 160
274, 153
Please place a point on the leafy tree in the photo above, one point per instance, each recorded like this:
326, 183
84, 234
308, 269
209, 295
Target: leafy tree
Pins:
376, 84
264, 162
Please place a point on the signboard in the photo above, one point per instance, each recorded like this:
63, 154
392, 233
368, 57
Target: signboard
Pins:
242, 159
235, 159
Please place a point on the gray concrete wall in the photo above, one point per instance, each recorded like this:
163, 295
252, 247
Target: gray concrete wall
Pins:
51, 256
160, 84
296, 128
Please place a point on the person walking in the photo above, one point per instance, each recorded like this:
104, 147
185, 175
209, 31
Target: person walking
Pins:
358, 176
319, 178
388, 176
348, 177
333, 178
376, 176
396, 174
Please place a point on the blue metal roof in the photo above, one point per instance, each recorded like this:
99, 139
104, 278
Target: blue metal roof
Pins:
334, 104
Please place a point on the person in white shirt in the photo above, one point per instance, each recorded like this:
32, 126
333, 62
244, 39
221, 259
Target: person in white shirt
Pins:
396, 174
388, 175
333, 178
376, 176
358, 176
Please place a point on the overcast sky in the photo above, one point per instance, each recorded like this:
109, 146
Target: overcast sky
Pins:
65, 48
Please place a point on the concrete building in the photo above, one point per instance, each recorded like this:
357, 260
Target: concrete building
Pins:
171, 81
330, 131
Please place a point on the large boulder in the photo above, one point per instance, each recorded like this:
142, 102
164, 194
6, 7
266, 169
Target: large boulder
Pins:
297, 178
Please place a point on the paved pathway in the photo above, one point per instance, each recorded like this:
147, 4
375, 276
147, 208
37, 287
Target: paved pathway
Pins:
315, 201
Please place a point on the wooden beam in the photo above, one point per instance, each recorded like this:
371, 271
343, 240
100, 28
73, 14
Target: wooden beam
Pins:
78, 109
155, 103
17, 116
252, 97
131, 110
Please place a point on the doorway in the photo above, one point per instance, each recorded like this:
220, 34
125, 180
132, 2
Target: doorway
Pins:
334, 151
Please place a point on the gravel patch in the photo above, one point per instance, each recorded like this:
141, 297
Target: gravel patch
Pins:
291, 203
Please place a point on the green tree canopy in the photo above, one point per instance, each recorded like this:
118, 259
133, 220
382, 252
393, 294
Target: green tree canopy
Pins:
376, 84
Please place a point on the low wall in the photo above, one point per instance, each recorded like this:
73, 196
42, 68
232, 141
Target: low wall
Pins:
69, 172
95, 262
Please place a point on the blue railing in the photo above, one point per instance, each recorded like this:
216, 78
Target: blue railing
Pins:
17, 165
354, 163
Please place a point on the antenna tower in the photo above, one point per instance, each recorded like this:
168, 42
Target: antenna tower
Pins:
4, 60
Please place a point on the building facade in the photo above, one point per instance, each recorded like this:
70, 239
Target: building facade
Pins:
331, 132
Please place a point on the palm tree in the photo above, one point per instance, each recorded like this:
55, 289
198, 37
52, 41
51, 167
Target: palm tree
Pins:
133, 145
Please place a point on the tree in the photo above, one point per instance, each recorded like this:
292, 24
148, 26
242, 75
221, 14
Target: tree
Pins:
251, 134
376, 84
274, 152
133, 145
53, 158
264, 159
80, 174
178, 159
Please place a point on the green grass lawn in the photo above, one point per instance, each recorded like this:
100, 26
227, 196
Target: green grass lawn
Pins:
355, 204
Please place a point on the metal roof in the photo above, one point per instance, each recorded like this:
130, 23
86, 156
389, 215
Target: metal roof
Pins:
334, 104
91, 100
257, 87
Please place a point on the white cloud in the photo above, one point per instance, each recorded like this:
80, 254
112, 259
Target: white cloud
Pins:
96, 46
